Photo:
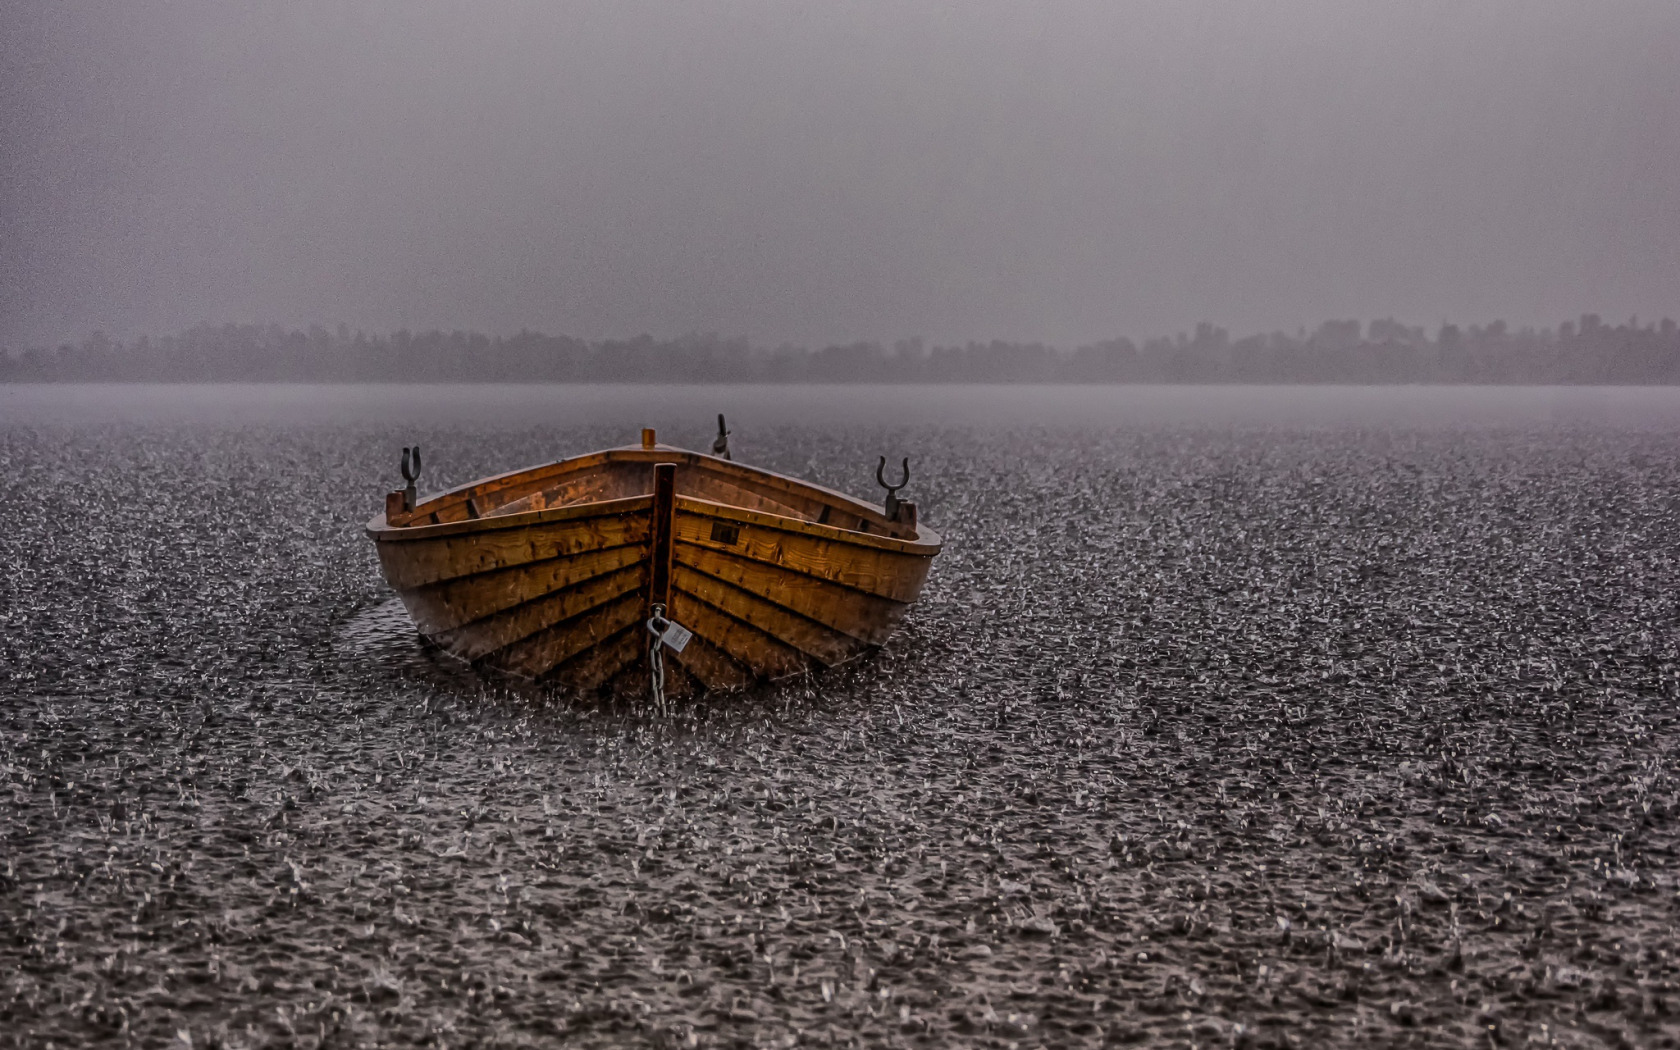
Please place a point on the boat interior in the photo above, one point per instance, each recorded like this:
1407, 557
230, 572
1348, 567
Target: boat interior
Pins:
627, 473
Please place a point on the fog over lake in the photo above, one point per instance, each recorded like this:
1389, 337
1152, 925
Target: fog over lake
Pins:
689, 410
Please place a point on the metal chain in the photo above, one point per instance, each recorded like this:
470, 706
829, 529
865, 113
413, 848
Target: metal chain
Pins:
656, 654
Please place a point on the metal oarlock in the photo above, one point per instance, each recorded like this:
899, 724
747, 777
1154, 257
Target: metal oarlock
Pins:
893, 501
410, 474
720, 444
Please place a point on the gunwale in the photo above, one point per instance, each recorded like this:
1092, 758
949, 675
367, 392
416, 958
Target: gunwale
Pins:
927, 542
380, 530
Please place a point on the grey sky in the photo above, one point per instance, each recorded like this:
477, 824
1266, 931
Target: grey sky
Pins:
826, 171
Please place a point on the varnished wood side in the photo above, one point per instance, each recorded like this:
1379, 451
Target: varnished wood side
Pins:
412, 564
762, 654
539, 654
866, 617
818, 641
882, 572
379, 531
458, 602
602, 662
712, 667
482, 638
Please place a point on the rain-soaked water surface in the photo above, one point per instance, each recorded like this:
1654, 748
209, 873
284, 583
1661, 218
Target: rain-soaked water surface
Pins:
1236, 717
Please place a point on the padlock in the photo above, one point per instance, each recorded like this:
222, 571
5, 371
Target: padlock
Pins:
676, 636
669, 632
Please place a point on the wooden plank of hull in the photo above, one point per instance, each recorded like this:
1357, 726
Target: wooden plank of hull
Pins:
785, 525
631, 681
712, 667
535, 656
679, 682
861, 615
821, 643
453, 604
762, 654
885, 573
591, 668
480, 638
413, 563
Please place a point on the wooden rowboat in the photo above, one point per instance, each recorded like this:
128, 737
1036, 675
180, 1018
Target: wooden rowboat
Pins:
554, 573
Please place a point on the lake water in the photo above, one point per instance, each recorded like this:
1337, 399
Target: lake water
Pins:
1230, 716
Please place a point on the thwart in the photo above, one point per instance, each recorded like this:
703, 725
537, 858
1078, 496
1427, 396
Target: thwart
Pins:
651, 568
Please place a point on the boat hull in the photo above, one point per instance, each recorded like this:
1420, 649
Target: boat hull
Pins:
562, 594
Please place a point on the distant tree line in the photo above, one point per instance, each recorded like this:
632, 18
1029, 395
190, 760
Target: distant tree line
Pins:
1584, 351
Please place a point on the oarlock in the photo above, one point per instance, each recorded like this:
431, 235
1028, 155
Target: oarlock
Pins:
411, 474
902, 511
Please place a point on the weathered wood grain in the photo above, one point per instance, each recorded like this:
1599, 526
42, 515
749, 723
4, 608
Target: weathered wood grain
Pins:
412, 564
856, 613
443, 607
481, 638
764, 654
817, 640
598, 664
535, 656
883, 573
713, 668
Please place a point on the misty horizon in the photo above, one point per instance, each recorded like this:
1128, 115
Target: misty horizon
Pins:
1586, 351
830, 175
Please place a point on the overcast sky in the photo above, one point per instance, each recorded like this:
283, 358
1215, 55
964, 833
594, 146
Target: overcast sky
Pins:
823, 171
